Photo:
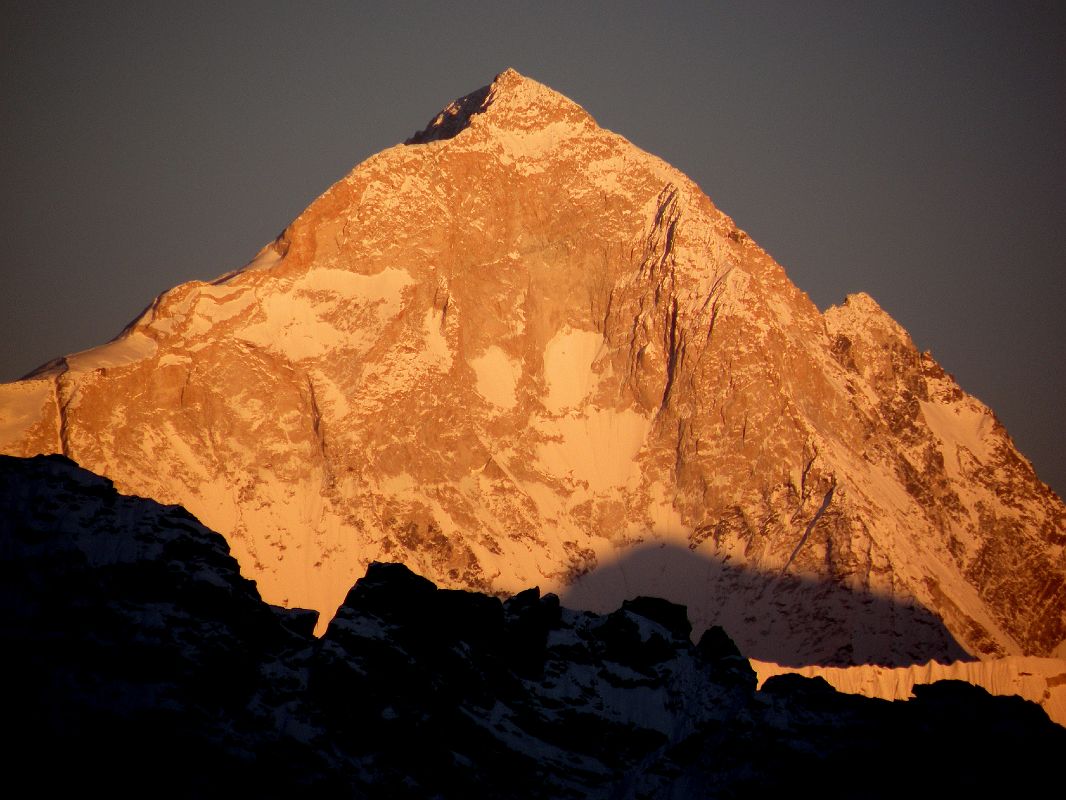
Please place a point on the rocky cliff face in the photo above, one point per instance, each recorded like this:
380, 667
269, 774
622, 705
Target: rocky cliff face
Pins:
138, 659
517, 351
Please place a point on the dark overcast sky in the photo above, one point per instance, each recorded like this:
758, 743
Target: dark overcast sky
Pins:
916, 151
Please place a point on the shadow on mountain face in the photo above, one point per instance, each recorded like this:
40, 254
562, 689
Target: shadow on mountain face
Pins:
781, 618
137, 656
453, 119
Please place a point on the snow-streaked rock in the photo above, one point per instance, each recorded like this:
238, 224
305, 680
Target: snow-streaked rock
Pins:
515, 350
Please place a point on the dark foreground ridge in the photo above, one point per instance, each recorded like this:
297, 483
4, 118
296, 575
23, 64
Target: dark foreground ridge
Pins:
139, 661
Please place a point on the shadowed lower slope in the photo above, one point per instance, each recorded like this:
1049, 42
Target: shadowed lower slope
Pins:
140, 661
772, 616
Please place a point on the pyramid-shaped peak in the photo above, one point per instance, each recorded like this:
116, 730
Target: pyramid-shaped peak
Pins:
513, 84
512, 77
511, 102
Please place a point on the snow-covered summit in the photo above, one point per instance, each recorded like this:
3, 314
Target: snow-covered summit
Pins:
525, 352
512, 102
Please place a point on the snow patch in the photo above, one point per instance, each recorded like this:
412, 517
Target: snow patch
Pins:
665, 519
958, 425
295, 321
293, 328
384, 286
497, 377
597, 448
132, 347
437, 349
528, 149
568, 360
216, 304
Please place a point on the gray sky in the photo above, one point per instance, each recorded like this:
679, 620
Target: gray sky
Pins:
916, 151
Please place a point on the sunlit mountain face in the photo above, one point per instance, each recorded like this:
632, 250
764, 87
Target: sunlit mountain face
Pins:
517, 351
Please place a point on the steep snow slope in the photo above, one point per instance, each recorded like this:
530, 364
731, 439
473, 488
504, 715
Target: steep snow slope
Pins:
516, 351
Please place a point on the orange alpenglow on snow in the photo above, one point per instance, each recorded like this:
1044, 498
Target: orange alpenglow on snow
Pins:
517, 350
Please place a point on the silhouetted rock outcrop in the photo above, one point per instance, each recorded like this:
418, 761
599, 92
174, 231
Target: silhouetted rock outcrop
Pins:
140, 662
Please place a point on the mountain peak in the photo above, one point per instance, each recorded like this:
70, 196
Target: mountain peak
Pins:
511, 77
524, 352
511, 102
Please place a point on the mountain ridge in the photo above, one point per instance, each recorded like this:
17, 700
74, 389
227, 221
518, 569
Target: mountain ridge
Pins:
510, 354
